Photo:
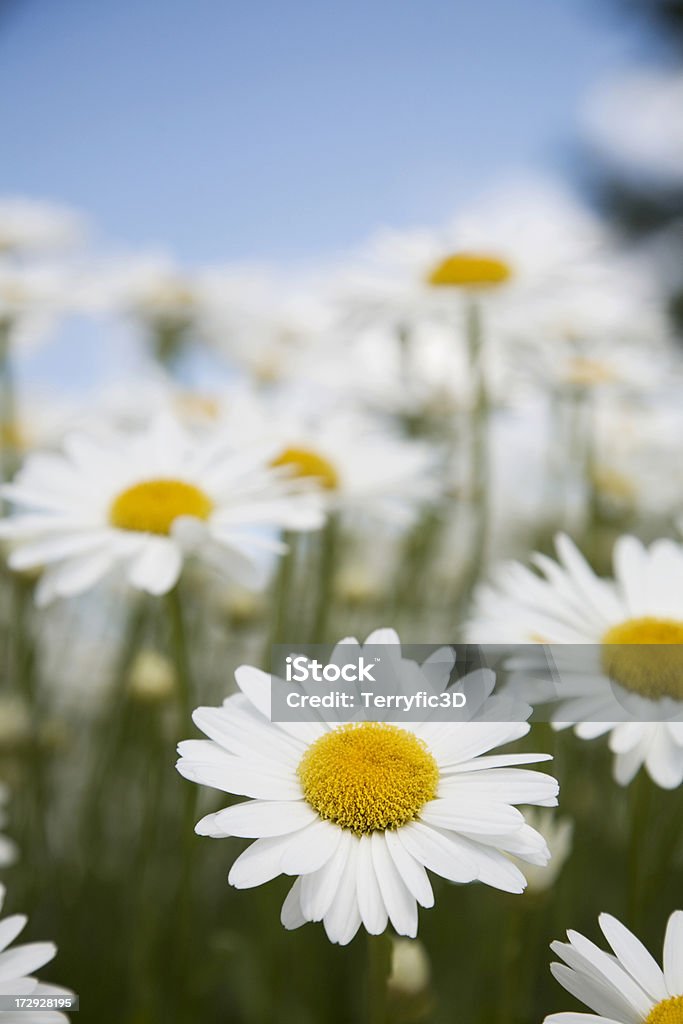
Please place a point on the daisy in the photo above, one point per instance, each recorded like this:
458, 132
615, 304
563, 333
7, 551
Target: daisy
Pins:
626, 985
625, 679
634, 121
29, 225
558, 834
142, 503
357, 465
267, 326
360, 811
16, 972
525, 238
8, 849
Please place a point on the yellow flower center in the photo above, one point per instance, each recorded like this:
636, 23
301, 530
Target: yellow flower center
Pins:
469, 270
195, 406
668, 1011
645, 656
154, 505
306, 463
585, 372
368, 776
612, 484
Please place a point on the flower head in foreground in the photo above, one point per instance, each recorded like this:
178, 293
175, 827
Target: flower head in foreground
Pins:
630, 628
143, 502
16, 972
359, 811
626, 986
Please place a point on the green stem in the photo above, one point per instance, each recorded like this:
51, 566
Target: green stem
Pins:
379, 969
109, 733
182, 931
179, 655
281, 597
329, 544
640, 794
479, 451
8, 453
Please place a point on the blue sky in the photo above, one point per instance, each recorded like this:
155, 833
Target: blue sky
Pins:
284, 129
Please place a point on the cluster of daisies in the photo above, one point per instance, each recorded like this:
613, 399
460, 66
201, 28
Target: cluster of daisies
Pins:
355, 402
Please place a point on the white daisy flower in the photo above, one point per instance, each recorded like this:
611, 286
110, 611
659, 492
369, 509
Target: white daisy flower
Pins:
16, 972
629, 628
144, 502
634, 121
30, 225
360, 811
269, 326
357, 466
626, 985
527, 237
8, 848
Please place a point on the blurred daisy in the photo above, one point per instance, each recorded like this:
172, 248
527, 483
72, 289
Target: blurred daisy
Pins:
356, 465
626, 985
634, 121
29, 225
16, 972
151, 287
267, 326
32, 300
359, 811
630, 628
558, 833
530, 235
144, 502
8, 849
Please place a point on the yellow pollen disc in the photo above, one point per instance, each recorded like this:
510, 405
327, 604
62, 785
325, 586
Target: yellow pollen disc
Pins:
194, 405
612, 484
669, 1011
470, 270
585, 372
368, 776
645, 656
306, 463
154, 505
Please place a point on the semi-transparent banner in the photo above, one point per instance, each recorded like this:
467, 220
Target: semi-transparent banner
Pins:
466, 682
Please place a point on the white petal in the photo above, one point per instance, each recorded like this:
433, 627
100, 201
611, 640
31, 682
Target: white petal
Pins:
673, 954
14, 963
596, 994
243, 778
342, 920
438, 852
611, 972
259, 863
157, 567
10, 928
411, 871
290, 915
634, 956
320, 887
309, 849
398, 900
373, 913
258, 819
462, 815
